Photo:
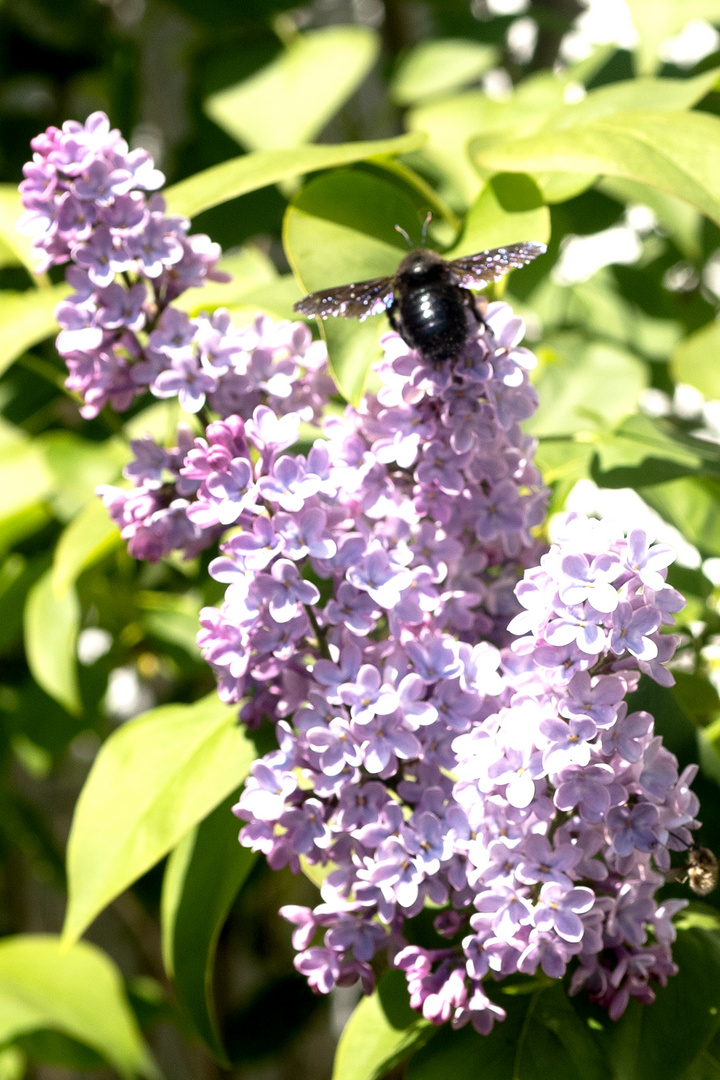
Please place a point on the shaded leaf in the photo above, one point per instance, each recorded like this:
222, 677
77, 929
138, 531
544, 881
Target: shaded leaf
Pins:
52, 622
661, 1041
290, 101
203, 876
249, 172
331, 240
693, 507
541, 1039
152, 781
76, 991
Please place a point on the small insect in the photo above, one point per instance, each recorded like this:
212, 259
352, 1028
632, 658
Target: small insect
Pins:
427, 299
700, 871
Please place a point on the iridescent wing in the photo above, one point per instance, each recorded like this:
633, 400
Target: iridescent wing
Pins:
475, 271
355, 301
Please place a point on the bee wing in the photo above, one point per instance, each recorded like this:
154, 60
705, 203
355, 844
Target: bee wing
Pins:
355, 301
474, 271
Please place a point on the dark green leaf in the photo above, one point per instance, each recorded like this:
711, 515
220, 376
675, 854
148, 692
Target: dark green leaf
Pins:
203, 876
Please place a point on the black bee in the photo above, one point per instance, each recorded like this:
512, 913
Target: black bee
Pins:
427, 299
700, 871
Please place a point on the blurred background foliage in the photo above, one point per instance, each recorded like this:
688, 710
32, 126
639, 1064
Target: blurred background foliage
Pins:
530, 118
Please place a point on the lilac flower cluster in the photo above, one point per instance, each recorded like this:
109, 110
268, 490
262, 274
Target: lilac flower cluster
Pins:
84, 193
448, 695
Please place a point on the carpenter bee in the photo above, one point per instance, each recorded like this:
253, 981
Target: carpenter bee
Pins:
427, 299
700, 871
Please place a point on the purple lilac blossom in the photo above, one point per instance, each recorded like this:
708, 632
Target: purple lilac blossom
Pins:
448, 695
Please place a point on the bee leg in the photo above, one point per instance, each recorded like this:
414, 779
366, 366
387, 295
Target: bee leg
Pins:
477, 305
394, 318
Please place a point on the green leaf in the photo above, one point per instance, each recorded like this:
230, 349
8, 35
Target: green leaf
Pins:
276, 298
451, 123
439, 67
693, 507
541, 1039
25, 479
78, 466
599, 308
249, 172
152, 781
660, 1041
697, 361
681, 221
172, 617
249, 267
27, 318
640, 443
536, 104
86, 540
508, 210
52, 622
203, 876
656, 20
330, 239
19, 246
584, 385
632, 94
76, 991
290, 101
674, 151
382, 1031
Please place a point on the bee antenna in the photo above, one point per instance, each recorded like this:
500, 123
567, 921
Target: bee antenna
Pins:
399, 228
428, 219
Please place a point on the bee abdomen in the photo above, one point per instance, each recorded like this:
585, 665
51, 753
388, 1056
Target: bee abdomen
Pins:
434, 320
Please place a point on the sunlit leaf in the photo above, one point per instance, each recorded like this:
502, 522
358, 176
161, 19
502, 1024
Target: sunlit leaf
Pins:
203, 876
25, 479
508, 210
675, 152
76, 991
584, 385
381, 1032
27, 318
697, 361
153, 780
656, 20
256, 170
439, 67
249, 268
18, 245
290, 101
88, 538
52, 622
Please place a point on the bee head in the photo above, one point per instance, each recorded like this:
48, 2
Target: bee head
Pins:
422, 267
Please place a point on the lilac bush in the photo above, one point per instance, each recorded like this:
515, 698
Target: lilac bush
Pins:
448, 692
